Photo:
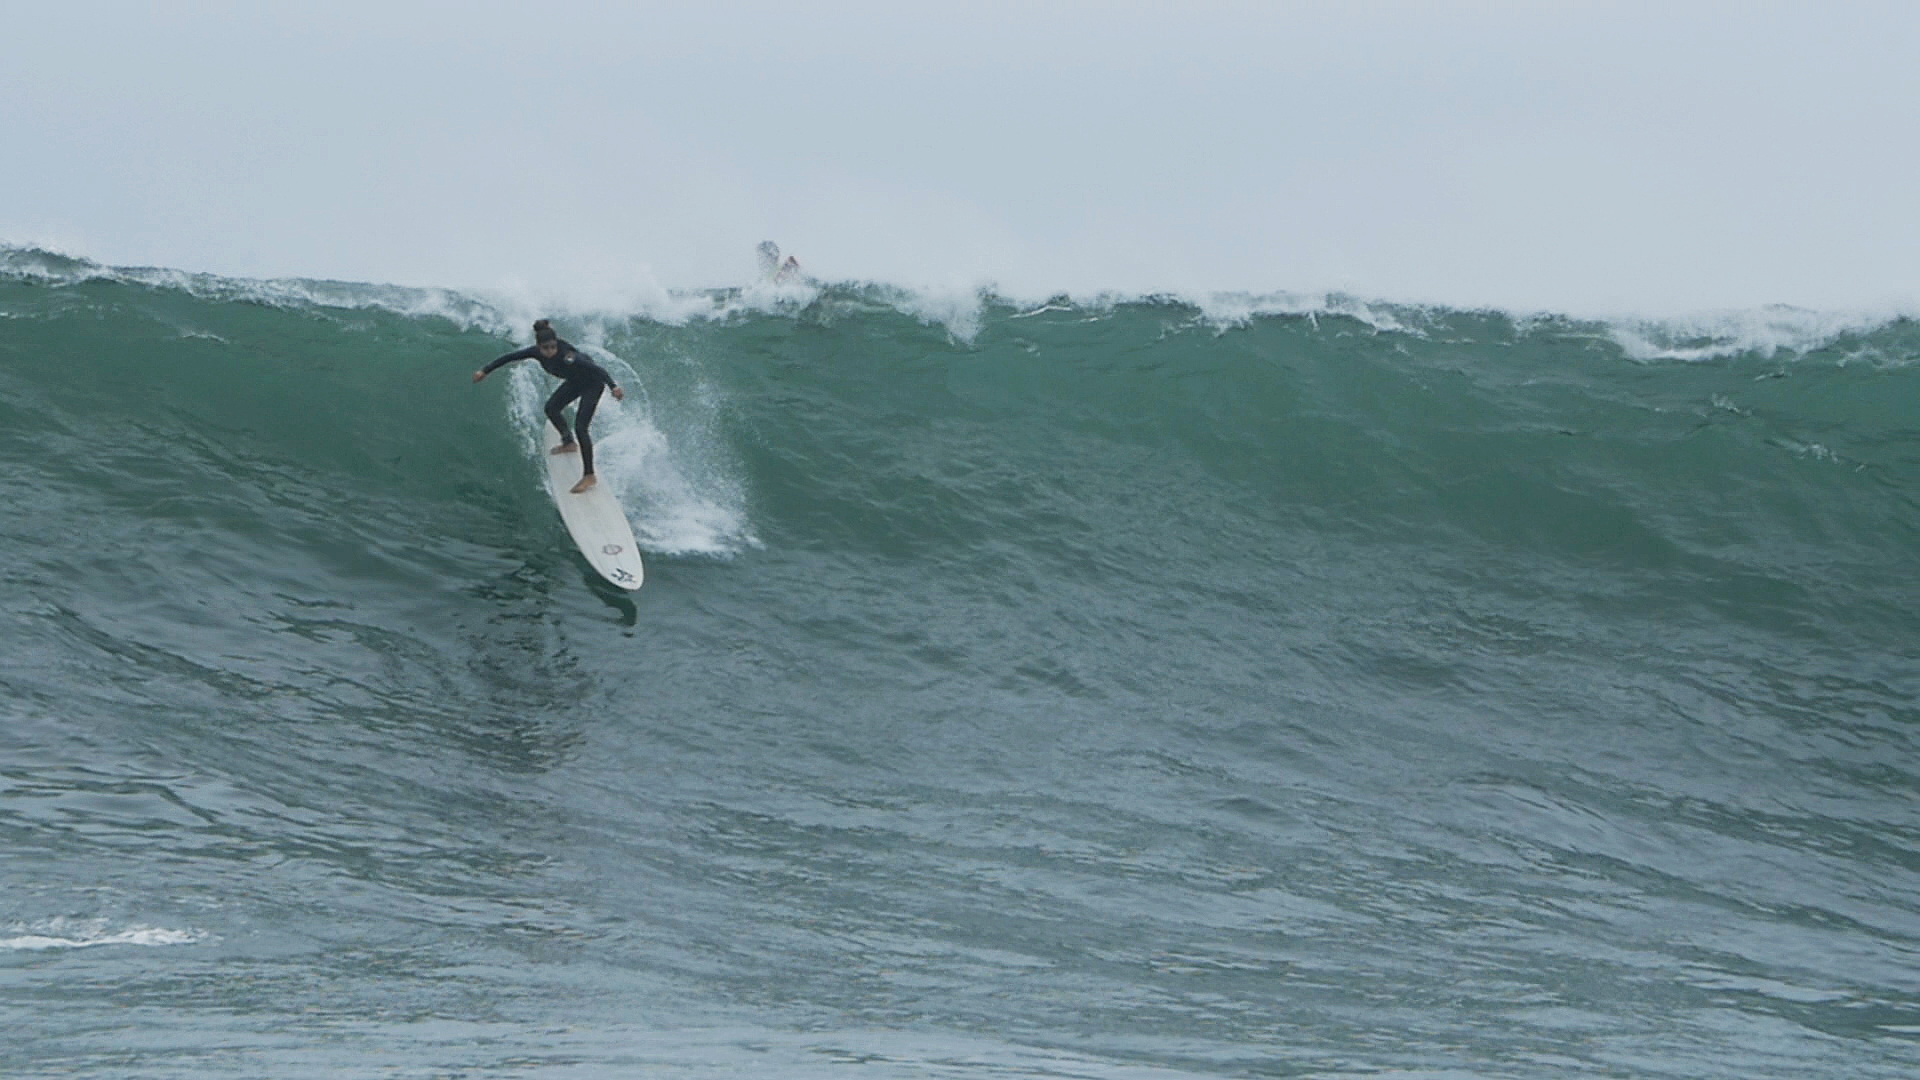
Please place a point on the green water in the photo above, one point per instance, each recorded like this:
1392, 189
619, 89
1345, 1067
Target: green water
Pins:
1116, 689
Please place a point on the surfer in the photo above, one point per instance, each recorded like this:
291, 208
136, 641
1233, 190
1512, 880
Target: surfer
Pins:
580, 378
772, 268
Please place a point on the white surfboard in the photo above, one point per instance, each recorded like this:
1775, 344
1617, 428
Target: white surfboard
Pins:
593, 517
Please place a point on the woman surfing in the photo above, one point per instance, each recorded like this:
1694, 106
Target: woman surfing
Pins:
580, 378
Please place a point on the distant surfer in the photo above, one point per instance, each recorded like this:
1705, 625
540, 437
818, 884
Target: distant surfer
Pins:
772, 268
580, 378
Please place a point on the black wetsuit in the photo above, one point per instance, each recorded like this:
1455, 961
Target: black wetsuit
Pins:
579, 378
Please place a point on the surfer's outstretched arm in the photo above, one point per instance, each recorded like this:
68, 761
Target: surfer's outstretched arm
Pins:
519, 354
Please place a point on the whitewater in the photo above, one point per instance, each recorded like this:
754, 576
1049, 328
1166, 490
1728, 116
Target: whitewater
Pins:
1078, 686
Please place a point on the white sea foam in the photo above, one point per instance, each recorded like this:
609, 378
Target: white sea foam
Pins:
1227, 310
958, 310
593, 306
90, 933
461, 309
517, 304
773, 298
1765, 331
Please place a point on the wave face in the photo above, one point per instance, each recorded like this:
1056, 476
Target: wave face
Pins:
1121, 688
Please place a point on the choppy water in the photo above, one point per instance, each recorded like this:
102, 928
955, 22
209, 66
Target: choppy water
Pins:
1122, 689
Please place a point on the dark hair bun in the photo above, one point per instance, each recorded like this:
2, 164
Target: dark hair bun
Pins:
543, 330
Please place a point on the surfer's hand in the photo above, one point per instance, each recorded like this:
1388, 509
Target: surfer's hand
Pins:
619, 394
478, 375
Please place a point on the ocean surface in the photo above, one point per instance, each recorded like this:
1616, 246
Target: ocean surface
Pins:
1107, 688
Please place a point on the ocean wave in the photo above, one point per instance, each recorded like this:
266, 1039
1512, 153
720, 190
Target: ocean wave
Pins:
1192, 668
962, 311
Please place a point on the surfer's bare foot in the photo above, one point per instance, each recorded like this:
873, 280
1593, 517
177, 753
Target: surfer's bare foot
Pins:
566, 448
586, 482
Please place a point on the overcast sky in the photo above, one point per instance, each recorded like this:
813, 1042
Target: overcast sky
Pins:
1588, 157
